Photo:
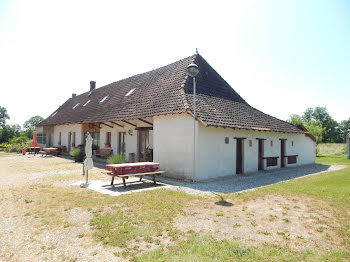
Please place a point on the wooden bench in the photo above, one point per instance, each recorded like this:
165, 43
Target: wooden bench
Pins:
104, 152
141, 175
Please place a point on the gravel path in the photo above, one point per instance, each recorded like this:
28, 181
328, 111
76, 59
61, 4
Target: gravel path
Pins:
250, 182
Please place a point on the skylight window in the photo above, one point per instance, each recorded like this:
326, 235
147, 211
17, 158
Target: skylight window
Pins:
130, 92
76, 105
103, 99
87, 103
54, 114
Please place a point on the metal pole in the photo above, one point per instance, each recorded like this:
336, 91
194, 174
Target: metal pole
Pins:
194, 130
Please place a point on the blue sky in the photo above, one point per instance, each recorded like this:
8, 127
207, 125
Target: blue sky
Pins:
280, 56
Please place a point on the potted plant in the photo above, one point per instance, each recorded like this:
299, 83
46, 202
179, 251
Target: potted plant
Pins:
78, 154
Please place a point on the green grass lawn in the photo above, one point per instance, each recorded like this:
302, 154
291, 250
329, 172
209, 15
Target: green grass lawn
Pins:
329, 149
148, 217
332, 187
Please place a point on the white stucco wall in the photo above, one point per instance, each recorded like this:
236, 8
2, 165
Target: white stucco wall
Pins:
215, 158
65, 129
348, 145
173, 144
130, 140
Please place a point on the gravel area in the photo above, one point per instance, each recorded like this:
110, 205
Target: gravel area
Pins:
240, 183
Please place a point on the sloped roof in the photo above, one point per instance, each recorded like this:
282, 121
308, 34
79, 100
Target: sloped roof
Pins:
168, 90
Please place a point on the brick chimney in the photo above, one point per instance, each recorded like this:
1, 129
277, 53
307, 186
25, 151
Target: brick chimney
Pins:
74, 95
92, 85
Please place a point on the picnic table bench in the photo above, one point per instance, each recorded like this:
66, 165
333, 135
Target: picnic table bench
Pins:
48, 151
139, 169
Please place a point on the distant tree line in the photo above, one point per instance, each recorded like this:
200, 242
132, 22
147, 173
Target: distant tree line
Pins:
321, 125
9, 132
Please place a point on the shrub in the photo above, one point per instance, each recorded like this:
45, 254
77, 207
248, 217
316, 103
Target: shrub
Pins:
78, 154
116, 159
19, 140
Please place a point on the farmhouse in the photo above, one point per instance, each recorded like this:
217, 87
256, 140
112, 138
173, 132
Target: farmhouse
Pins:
149, 117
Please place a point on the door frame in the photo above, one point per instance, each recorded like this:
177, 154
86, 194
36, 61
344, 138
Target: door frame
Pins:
283, 152
139, 132
260, 153
69, 141
239, 154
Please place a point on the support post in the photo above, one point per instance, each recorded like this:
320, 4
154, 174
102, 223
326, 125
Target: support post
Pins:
194, 130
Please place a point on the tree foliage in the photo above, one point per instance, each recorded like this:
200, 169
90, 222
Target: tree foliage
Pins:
29, 125
3, 116
321, 125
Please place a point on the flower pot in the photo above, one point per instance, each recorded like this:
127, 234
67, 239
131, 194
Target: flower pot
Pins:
23, 151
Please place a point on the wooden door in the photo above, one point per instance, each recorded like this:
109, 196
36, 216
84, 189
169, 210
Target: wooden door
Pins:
143, 143
69, 141
283, 152
260, 154
239, 156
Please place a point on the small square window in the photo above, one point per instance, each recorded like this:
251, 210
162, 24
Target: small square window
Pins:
271, 142
250, 143
227, 140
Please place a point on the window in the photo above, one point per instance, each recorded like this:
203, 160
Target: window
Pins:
250, 143
227, 140
130, 92
121, 142
292, 143
87, 103
271, 142
75, 106
41, 138
59, 138
103, 99
108, 139
95, 139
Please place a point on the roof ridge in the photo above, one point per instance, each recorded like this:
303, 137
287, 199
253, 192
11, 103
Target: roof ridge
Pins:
182, 88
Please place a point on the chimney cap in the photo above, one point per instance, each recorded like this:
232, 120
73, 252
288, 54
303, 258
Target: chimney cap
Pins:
74, 95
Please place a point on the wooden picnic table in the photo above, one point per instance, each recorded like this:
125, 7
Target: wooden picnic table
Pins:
138, 169
33, 149
50, 151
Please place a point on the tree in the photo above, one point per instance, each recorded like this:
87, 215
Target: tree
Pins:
316, 129
8, 132
296, 120
331, 134
313, 126
29, 125
344, 127
3, 116
32, 122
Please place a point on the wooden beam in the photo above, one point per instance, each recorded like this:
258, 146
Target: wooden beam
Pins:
145, 121
106, 125
144, 128
116, 124
129, 123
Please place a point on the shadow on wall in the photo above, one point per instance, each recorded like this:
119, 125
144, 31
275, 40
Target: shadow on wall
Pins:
245, 182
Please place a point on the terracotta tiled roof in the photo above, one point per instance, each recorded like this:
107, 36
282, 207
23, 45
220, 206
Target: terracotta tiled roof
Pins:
168, 90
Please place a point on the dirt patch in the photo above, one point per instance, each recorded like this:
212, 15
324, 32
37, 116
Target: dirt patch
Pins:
297, 222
